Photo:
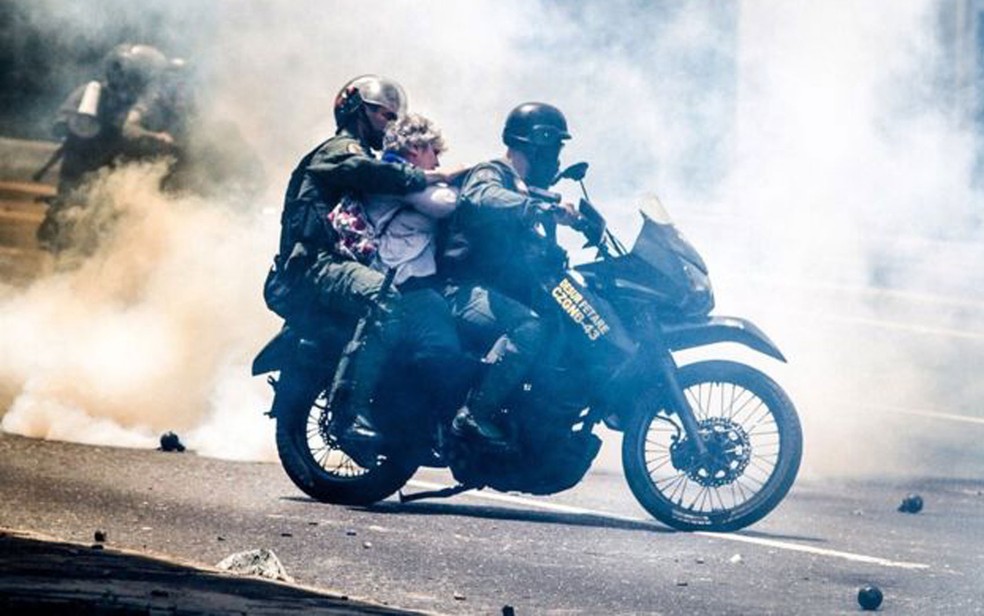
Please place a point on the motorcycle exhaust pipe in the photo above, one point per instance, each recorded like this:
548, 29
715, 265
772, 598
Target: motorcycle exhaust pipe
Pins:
84, 121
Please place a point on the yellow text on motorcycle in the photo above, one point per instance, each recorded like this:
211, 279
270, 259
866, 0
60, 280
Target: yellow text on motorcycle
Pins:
578, 309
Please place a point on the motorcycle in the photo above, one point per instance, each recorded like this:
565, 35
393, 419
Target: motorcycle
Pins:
712, 445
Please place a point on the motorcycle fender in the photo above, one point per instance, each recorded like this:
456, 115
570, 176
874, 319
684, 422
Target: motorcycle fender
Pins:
679, 336
275, 353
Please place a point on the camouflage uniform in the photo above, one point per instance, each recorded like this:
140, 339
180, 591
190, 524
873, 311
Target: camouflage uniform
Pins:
309, 277
307, 259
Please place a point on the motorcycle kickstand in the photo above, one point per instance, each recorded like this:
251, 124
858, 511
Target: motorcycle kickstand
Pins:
443, 493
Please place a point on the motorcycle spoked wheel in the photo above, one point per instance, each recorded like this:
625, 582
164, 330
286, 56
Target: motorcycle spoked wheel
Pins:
318, 466
754, 440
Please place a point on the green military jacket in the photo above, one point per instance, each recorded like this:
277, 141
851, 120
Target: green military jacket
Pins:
340, 165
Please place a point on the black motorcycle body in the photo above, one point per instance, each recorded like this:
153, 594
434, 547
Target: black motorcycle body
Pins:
712, 445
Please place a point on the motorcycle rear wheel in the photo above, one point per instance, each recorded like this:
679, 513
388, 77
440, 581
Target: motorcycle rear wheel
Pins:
753, 436
318, 466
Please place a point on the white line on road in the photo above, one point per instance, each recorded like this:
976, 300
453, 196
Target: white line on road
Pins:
770, 543
878, 292
922, 413
904, 327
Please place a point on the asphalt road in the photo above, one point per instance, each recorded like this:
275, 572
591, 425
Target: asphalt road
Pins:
587, 551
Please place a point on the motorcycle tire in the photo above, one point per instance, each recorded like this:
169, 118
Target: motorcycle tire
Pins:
754, 440
319, 467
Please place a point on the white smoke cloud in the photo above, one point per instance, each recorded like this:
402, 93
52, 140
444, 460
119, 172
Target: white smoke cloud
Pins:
149, 333
852, 185
806, 147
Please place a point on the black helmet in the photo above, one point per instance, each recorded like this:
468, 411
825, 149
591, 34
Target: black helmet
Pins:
535, 124
371, 89
538, 130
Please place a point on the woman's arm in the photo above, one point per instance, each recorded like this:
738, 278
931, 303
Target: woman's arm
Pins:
436, 201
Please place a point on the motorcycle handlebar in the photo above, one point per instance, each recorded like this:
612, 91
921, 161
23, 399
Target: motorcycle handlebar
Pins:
545, 195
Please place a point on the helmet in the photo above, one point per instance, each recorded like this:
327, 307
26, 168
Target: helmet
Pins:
371, 89
177, 73
535, 124
538, 130
131, 67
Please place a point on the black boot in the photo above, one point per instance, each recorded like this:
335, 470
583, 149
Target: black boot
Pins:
357, 433
502, 377
360, 440
360, 429
478, 426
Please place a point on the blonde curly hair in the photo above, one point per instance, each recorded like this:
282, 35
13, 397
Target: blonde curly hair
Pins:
411, 131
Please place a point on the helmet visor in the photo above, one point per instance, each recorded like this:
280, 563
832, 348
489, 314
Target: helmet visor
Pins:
547, 135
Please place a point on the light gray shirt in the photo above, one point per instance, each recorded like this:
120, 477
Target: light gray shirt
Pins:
406, 227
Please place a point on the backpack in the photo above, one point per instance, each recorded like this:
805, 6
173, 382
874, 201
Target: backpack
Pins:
284, 289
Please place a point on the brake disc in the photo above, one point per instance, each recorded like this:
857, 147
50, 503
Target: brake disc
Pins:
729, 451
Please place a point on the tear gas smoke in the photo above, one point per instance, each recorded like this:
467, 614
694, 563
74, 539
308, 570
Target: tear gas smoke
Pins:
807, 148
146, 334
853, 182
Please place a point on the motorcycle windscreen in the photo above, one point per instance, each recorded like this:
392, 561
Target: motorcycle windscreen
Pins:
661, 246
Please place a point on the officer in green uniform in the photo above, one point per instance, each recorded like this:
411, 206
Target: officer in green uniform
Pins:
311, 277
492, 257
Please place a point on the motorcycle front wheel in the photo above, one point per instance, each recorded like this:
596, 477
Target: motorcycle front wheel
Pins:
753, 442
318, 466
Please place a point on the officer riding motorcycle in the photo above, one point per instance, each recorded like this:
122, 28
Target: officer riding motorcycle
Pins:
493, 253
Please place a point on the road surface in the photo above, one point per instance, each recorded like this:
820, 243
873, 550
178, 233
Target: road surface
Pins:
590, 550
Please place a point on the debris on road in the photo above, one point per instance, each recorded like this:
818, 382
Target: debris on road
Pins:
99, 536
367, 544
736, 559
912, 503
171, 442
262, 563
869, 597
44, 575
507, 610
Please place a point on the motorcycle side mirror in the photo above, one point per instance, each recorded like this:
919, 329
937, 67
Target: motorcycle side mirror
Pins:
575, 172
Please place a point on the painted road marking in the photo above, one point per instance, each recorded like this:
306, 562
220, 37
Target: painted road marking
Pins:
877, 292
770, 543
904, 327
922, 413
